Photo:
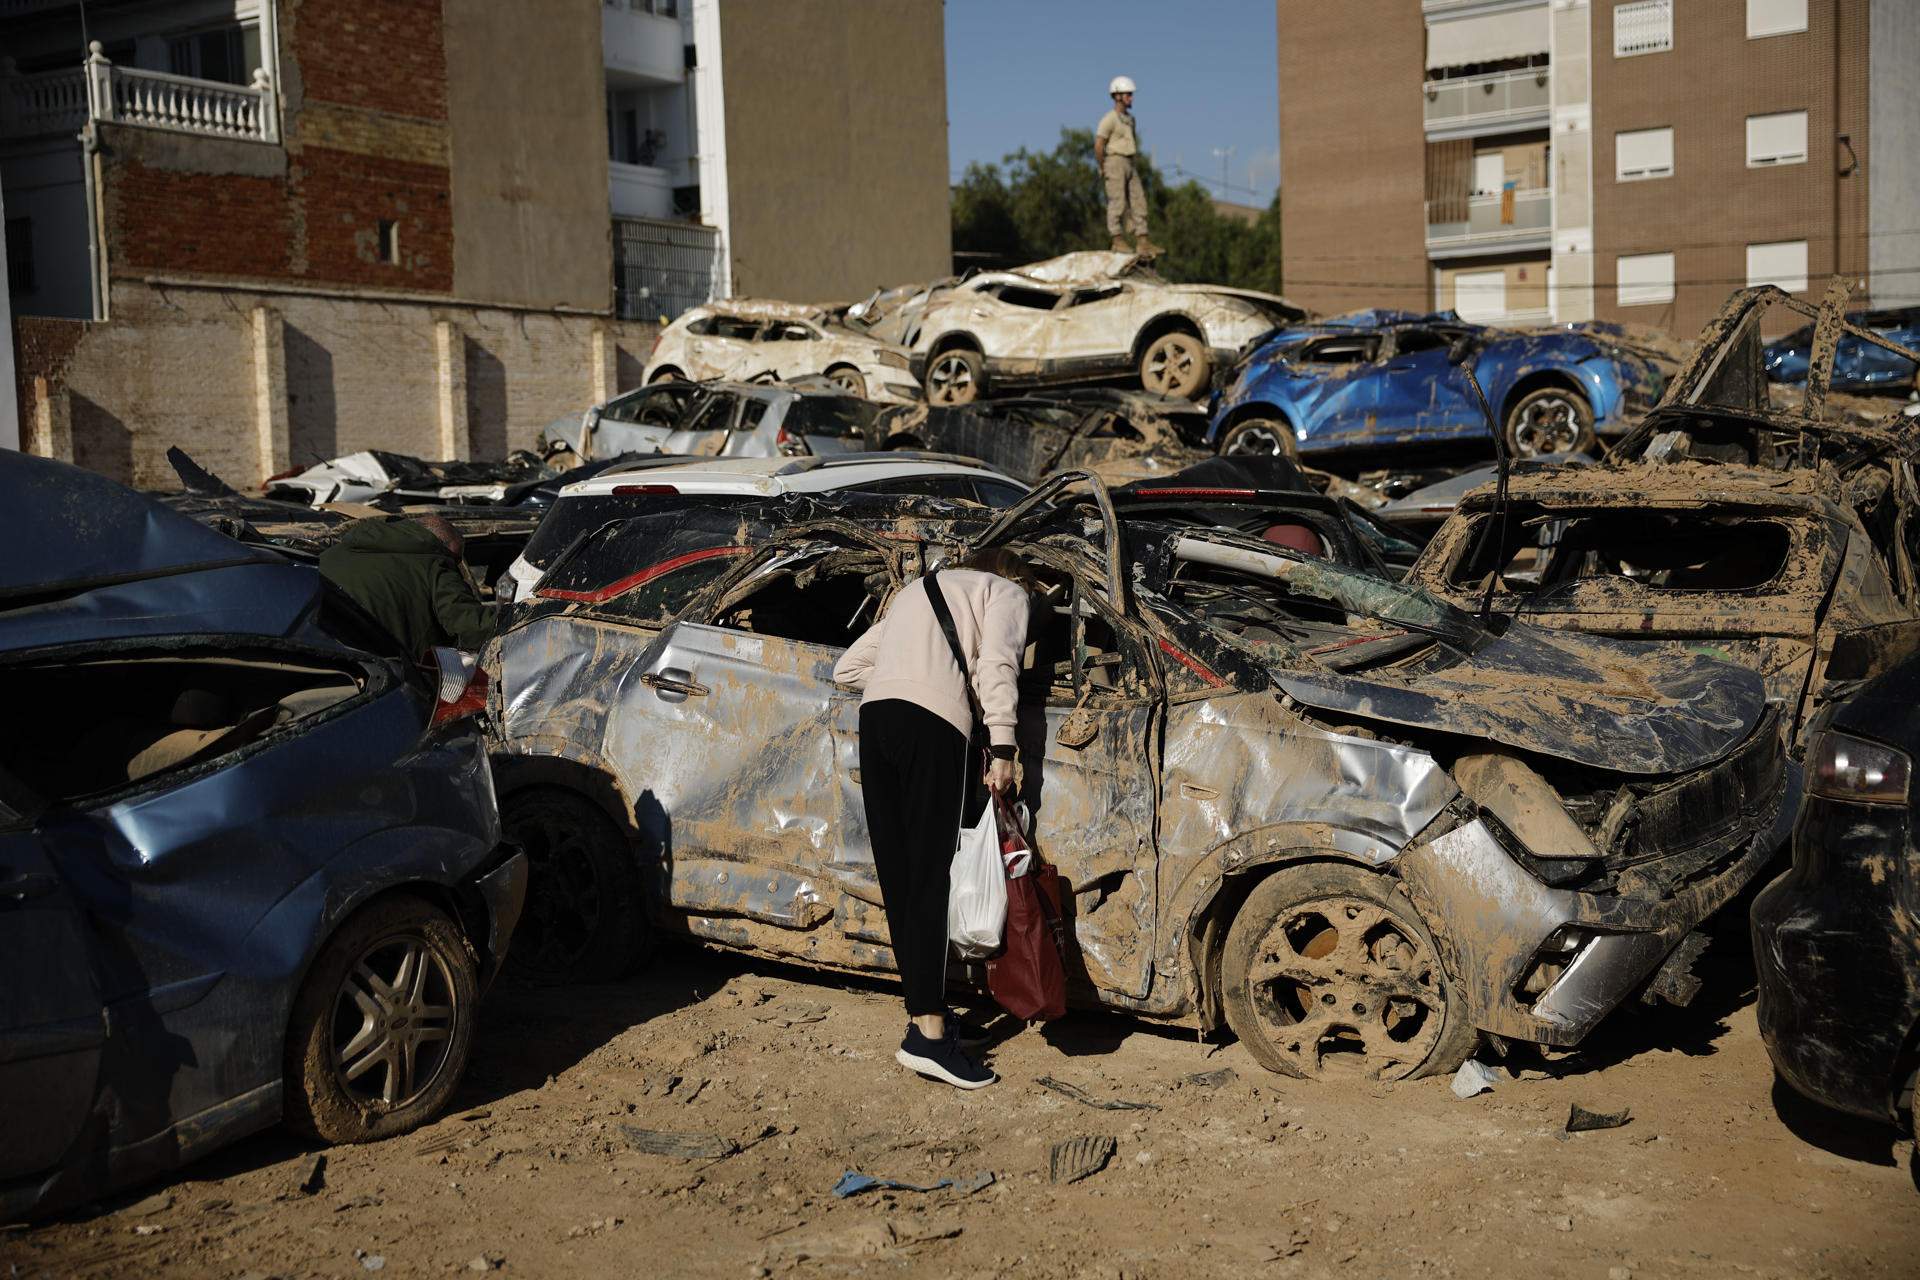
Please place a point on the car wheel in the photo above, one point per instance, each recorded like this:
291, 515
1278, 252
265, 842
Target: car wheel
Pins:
585, 920
955, 376
1175, 364
849, 378
666, 373
1329, 972
1260, 437
1550, 420
383, 1025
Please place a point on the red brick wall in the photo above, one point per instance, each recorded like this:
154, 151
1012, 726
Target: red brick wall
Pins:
162, 220
344, 196
382, 55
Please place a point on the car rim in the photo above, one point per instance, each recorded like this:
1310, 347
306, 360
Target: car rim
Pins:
1343, 986
393, 1022
849, 381
563, 901
1172, 366
1256, 439
950, 380
1549, 425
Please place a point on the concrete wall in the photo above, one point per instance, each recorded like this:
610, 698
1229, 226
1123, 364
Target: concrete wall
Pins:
527, 113
1714, 205
251, 382
836, 142
1353, 143
1893, 253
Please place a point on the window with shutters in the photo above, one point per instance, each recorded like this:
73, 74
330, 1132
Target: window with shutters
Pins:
1780, 138
1783, 262
1775, 17
1643, 153
1645, 26
1644, 278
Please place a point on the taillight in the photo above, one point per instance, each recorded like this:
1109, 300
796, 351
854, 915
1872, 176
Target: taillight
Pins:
788, 443
635, 490
1189, 491
462, 690
632, 580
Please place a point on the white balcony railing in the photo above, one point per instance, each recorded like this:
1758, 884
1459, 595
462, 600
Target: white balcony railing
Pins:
639, 191
1501, 97
1491, 225
63, 101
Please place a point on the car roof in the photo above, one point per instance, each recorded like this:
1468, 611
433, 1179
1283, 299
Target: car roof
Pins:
785, 475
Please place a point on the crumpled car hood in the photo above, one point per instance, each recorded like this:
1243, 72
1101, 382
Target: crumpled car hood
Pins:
1612, 704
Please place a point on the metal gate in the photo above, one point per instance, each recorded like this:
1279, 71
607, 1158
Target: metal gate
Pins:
662, 268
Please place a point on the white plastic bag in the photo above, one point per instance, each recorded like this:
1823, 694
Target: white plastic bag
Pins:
977, 891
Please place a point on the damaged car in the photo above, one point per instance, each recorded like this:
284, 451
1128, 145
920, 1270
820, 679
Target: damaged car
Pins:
1079, 317
1328, 811
251, 868
1858, 365
717, 419
1383, 379
1119, 435
1783, 538
374, 474
745, 338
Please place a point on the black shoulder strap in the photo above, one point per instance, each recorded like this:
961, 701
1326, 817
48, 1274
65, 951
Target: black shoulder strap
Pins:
938, 600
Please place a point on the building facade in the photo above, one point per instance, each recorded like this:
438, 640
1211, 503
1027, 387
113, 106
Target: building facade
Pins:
272, 231
1628, 160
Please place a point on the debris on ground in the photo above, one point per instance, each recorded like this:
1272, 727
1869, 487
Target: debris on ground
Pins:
1213, 1079
1580, 1120
312, 1174
681, 1146
1078, 1158
791, 1013
1081, 1096
852, 1183
1473, 1078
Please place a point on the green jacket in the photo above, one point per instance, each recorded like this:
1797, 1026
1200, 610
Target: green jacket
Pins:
411, 583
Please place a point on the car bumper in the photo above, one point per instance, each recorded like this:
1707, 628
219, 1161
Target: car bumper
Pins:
500, 894
1834, 953
1500, 922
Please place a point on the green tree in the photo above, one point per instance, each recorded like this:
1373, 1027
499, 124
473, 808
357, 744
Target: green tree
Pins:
1040, 204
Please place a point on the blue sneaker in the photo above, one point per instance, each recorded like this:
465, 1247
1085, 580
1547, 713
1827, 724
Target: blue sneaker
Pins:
942, 1060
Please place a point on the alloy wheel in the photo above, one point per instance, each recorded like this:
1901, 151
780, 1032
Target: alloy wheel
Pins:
393, 1023
950, 380
1257, 439
1550, 424
1174, 365
1344, 987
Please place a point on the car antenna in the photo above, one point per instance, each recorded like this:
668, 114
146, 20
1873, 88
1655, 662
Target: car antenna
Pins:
1461, 354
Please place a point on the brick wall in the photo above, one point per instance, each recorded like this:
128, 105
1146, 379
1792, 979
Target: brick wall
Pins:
380, 55
1714, 205
1354, 147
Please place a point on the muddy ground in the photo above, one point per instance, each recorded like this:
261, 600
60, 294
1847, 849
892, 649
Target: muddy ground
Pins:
533, 1172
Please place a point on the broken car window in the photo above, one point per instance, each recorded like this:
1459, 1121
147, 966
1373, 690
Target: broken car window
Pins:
823, 594
1358, 349
1665, 551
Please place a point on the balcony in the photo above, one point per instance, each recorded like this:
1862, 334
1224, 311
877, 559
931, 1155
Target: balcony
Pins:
662, 268
639, 190
1500, 102
56, 102
641, 43
1490, 227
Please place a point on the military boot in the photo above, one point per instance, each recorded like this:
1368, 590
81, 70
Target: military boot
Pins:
1120, 245
1147, 248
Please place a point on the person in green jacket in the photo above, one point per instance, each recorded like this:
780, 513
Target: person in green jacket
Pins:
407, 573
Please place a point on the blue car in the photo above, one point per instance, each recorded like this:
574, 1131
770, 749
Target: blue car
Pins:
1382, 378
1858, 365
251, 867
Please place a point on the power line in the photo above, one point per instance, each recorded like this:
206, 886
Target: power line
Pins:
1737, 282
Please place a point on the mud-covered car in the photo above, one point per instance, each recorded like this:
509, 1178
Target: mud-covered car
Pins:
1081, 316
1777, 536
1836, 938
1118, 435
250, 864
1858, 365
744, 338
1377, 380
1328, 811
762, 419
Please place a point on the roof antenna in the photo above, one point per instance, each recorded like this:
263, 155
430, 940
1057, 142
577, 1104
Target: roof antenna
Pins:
1463, 352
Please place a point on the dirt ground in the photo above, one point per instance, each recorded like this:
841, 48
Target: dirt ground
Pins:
533, 1173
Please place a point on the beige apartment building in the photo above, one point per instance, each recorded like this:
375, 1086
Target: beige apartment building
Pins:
275, 231
1535, 161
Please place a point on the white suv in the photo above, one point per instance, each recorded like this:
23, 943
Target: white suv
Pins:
634, 488
745, 338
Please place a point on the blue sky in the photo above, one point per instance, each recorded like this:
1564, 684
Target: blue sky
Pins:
1018, 72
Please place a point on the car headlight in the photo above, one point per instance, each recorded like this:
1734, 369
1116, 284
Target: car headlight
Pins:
1843, 767
895, 360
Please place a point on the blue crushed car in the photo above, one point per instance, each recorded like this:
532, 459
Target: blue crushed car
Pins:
1382, 378
1858, 365
251, 867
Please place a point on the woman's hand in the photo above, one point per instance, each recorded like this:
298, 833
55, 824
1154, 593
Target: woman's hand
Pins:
999, 777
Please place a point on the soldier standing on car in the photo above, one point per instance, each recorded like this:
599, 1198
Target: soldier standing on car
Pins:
1114, 146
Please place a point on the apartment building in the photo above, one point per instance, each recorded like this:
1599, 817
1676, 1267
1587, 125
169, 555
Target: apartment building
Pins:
272, 231
1630, 160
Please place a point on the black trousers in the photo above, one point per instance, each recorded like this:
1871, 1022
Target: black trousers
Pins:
913, 772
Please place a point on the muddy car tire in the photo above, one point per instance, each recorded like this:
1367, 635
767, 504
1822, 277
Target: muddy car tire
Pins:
585, 918
957, 375
1176, 364
849, 379
1328, 972
1260, 437
383, 1024
1549, 420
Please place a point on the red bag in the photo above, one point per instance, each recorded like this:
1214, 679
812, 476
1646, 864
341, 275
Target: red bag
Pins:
1029, 978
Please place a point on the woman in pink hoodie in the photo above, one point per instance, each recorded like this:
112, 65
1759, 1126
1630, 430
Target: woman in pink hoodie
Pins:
916, 718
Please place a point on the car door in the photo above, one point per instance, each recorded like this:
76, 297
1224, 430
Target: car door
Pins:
729, 350
641, 420
53, 1025
1337, 391
1094, 325
1419, 394
1013, 321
